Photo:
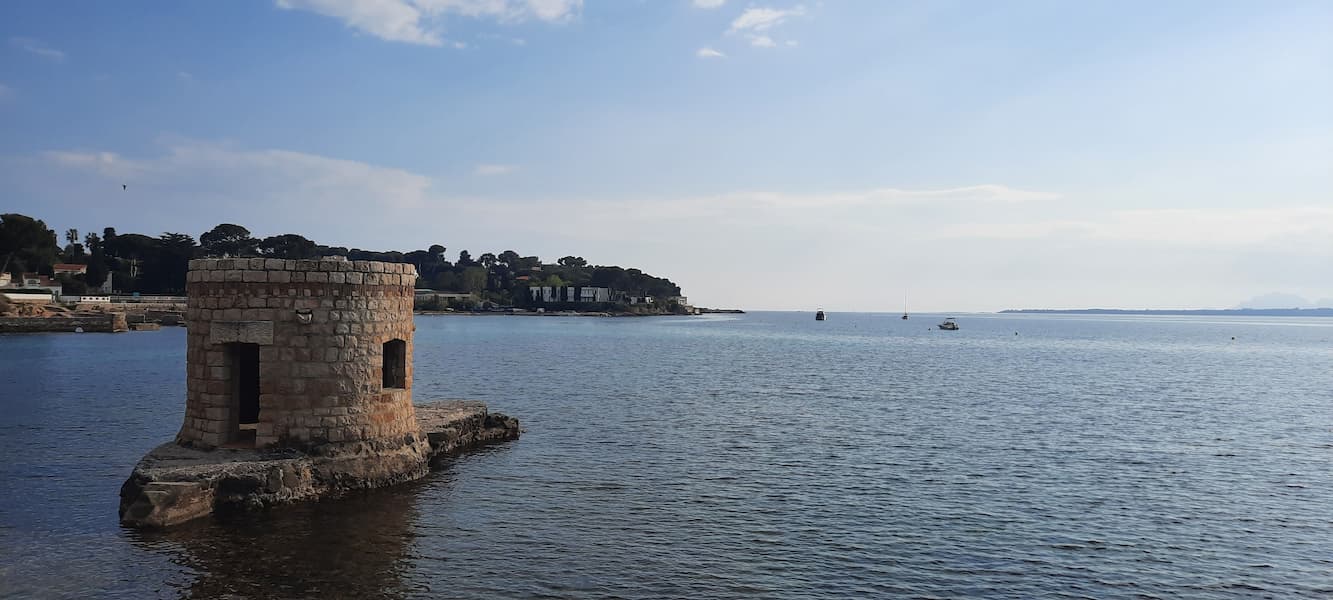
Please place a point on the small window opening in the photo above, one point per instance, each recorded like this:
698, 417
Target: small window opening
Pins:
395, 364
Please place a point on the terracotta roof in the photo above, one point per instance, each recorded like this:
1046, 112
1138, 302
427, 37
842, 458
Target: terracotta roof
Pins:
69, 267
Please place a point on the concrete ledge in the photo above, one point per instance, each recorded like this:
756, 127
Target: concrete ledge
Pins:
173, 484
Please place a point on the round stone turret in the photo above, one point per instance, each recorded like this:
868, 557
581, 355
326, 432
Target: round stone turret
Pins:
299, 353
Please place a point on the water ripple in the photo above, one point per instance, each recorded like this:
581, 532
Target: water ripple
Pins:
756, 456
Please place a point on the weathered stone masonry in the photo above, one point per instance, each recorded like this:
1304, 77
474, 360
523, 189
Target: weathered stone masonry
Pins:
299, 387
324, 332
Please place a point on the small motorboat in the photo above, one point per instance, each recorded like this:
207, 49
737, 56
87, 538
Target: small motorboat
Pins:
949, 325
819, 315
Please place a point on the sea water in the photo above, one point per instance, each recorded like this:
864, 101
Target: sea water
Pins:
762, 455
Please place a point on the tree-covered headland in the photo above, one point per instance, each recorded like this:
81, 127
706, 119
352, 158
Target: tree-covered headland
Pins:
157, 265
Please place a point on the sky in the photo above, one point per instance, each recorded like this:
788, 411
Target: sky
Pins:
843, 155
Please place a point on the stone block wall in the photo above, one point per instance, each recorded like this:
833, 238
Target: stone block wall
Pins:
321, 328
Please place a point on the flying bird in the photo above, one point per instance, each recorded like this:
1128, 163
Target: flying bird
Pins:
124, 186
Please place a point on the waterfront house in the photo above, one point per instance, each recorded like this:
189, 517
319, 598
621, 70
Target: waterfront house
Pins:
32, 283
569, 293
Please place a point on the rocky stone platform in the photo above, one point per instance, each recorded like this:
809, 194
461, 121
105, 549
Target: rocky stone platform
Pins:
174, 484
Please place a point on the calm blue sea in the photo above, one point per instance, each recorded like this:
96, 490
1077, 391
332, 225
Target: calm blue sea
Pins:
756, 456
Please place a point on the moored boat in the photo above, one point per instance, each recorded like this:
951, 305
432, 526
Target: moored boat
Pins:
949, 325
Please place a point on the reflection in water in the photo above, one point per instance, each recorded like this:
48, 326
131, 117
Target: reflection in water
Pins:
354, 547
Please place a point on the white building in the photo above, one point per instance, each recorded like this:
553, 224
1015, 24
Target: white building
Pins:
27, 298
87, 299
31, 283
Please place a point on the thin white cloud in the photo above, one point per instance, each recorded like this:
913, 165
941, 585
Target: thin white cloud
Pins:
554, 10
756, 19
391, 20
984, 193
1292, 224
420, 21
253, 178
503, 10
517, 41
756, 22
786, 209
1224, 226
105, 164
493, 170
709, 4
37, 47
709, 53
1022, 247
762, 41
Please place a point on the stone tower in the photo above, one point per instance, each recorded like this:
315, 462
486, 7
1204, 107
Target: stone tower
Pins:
301, 354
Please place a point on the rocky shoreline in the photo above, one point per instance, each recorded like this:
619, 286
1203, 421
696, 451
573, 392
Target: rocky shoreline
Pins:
74, 322
174, 483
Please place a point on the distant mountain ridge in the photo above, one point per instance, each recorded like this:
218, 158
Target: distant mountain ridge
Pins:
1238, 312
1284, 300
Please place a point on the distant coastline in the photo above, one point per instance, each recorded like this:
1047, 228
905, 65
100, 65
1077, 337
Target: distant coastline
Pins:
576, 313
1221, 312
